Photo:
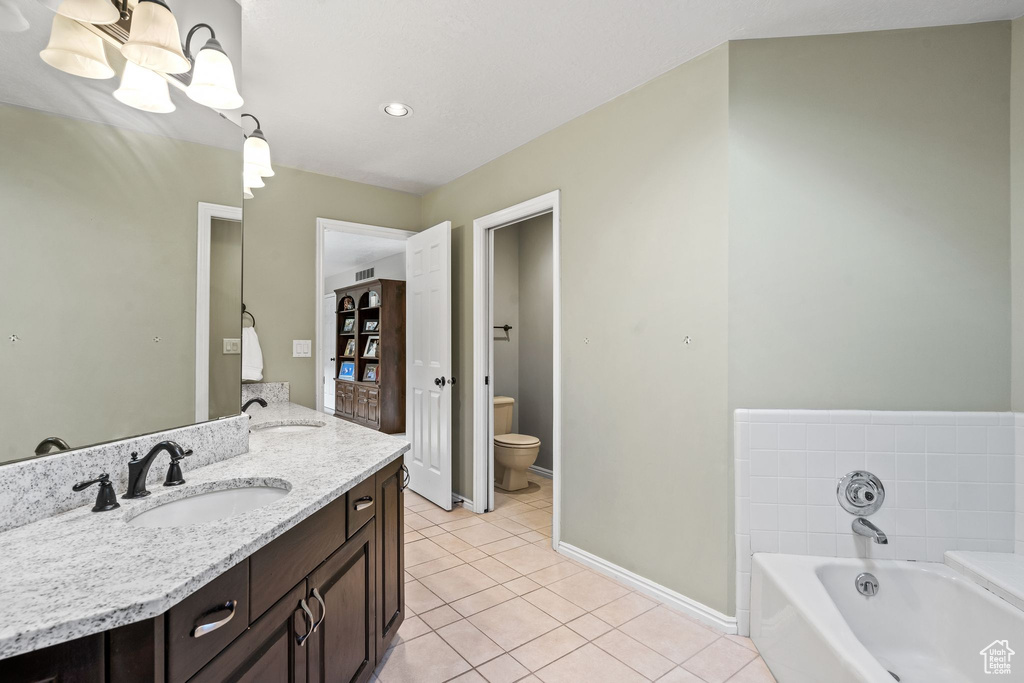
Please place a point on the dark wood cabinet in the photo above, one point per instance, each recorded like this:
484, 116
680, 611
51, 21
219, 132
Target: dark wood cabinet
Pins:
320, 604
343, 647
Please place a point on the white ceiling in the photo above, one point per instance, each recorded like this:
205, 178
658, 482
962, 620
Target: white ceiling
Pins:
346, 251
484, 77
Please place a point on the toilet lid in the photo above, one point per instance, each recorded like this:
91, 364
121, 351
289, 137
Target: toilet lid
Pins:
516, 440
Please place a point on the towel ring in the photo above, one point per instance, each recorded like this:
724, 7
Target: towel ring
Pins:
245, 312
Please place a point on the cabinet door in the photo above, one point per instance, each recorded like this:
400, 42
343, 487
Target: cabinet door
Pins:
390, 554
272, 650
342, 648
361, 403
373, 406
77, 661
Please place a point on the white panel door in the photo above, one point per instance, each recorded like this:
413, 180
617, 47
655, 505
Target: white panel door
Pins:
428, 413
328, 347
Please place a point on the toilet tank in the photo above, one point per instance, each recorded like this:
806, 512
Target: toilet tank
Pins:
503, 407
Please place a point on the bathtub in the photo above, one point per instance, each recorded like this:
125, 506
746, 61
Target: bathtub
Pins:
926, 624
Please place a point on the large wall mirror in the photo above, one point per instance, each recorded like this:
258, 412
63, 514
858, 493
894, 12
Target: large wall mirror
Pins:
120, 230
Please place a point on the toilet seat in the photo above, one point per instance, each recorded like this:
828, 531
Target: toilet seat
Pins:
516, 440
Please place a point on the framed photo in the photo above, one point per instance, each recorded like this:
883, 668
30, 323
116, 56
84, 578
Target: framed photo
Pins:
374, 298
348, 303
370, 374
372, 345
348, 371
349, 325
350, 348
370, 325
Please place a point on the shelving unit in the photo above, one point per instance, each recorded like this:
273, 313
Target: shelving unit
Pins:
377, 403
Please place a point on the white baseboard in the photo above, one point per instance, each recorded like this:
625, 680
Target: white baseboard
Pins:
466, 502
678, 601
542, 471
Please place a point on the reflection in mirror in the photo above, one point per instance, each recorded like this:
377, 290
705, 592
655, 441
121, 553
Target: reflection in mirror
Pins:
102, 264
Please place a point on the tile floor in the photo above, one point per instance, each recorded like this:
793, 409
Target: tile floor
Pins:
489, 601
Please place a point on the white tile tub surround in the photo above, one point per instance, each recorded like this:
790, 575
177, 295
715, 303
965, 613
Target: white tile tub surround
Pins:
949, 482
271, 392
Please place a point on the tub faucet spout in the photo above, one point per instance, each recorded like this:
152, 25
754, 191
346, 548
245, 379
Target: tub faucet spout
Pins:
866, 528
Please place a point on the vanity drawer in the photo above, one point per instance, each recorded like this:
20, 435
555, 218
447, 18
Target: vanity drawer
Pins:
361, 505
205, 622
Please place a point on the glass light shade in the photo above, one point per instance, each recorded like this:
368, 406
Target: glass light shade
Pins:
76, 50
154, 41
251, 180
256, 155
90, 11
51, 5
213, 80
144, 89
246, 193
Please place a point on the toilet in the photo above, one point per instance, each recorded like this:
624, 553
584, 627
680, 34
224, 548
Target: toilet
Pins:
513, 453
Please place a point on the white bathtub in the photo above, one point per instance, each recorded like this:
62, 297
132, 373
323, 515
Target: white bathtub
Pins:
927, 623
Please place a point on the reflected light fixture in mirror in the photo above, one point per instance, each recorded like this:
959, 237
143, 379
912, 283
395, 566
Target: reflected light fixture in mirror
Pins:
90, 11
256, 152
154, 41
76, 50
213, 77
11, 18
251, 181
144, 90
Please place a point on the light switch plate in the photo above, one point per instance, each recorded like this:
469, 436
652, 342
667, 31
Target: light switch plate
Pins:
232, 347
302, 348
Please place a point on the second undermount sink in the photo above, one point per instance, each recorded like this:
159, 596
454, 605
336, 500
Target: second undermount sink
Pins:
209, 506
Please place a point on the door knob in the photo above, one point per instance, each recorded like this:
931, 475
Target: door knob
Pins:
439, 381
450, 380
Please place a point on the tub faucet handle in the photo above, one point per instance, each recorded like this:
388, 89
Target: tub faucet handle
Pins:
860, 493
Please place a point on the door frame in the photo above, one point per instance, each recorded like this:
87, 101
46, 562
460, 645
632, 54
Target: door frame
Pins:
334, 225
483, 342
323, 323
207, 212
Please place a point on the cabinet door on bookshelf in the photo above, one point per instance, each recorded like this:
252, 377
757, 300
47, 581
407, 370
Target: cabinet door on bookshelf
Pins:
373, 406
362, 403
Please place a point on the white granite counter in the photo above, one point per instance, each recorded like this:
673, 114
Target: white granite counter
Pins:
81, 572
999, 573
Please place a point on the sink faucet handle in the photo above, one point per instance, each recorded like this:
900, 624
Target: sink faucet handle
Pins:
106, 499
174, 475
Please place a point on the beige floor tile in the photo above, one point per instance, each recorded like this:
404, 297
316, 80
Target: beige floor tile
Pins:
522, 585
744, 641
541, 651
419, 599
411, 536
457, 582
535, 519
439, 617
718, 661
669, 634
513, 623
498, 571
588, 590
502, 669
618, 612
509, 526
433, 530
471, 555
512, 509
462, 523
485, 599
481, 534
527, 559
413, 498
532, 536
470, 677
679, 675
755, 672
415, 522
530, 679
420, 507
469, 642
419, 552
635, 655
503, 545
546, 532
591, 664
427, 659
542, 504
555, 605
452, 543
437, 515
413, 627
409, 577
435, 566
555, 572
589, 626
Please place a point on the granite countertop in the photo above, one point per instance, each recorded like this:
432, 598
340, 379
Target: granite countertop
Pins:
81, 572
999, 573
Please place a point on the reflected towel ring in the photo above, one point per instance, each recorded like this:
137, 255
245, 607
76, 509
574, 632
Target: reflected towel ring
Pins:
245, 312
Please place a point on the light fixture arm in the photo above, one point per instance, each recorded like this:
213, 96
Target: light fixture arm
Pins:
124, 11
256, 132
212, 43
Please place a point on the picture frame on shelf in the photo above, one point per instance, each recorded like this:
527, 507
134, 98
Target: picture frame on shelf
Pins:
374, 298
372, 347
371, 325
349, 325
350, 348
348, 303
348, 371
371, 373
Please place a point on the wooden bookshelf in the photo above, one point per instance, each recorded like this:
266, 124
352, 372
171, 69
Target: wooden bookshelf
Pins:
377, 403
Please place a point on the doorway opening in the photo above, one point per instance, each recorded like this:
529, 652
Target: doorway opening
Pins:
517, 402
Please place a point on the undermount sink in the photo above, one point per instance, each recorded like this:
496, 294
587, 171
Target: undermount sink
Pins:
288, 427
209, 506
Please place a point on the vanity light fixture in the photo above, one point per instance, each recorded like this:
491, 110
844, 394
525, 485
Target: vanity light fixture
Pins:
256, 153
76, 50
213, 77
90, 11
246, 193
397, 109
144, 90
154, 41
251, 181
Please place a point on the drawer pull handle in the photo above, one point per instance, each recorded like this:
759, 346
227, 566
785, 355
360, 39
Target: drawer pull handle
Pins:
363, 503
323, 609
301, 640
202, 630
406, 478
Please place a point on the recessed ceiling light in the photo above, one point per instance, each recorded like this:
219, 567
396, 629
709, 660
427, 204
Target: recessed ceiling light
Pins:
397, 109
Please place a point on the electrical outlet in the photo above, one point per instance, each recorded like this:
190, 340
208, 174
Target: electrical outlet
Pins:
232, 347
302, 348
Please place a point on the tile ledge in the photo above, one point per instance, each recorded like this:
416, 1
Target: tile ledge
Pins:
999, 573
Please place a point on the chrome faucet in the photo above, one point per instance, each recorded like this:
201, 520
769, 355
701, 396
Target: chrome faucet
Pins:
865, 527
139, 469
